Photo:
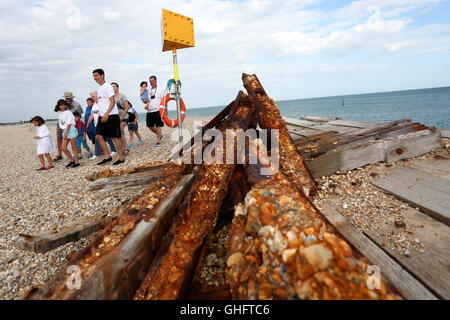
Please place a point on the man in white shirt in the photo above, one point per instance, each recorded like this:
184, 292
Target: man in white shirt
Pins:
109, 120
154, 122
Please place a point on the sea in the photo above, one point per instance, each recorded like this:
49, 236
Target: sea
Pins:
430, 107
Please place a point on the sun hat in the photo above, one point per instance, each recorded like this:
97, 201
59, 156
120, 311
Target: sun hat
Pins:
68, 95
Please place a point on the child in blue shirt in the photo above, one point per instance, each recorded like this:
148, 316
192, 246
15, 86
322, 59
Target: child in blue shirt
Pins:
144, 93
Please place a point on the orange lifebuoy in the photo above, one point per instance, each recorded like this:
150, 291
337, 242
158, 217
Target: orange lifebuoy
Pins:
163, 111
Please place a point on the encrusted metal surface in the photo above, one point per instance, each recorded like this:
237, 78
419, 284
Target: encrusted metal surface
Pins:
291, 162
170, 276
281, 247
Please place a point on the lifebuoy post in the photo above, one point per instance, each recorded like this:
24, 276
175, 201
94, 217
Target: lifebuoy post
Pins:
177, 32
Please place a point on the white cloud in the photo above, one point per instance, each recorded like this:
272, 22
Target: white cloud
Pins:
53, 46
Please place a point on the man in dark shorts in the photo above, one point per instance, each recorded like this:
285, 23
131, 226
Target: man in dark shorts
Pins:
109, 120
154, 122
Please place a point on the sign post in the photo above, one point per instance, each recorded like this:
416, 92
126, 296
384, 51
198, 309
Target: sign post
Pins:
177, 32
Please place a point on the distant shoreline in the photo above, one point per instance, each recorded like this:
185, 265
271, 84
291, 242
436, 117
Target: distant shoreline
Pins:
22, 122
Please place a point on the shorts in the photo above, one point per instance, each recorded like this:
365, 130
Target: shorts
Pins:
73, 133
154, 119
110, 128
59, 134
133, 127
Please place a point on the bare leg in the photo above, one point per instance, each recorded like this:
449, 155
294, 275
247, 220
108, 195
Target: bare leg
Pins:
119, 147
101, 142
64, 144
49, 159
131, 137
41, 159
73, 143
158, 134
138, 135
59, 143
123, 139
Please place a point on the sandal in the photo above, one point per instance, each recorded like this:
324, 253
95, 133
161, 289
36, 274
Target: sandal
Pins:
42, 168
57, 158
127, 151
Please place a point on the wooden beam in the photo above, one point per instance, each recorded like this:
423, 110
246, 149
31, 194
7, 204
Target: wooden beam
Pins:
317, 119
114, 263
404, 282
430, 265
422, 190
445, 133
412, 145
128, 180
348, 157
355, 124
48, 241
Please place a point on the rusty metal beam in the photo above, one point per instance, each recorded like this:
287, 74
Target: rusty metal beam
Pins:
269, 117
282, 247
171, 274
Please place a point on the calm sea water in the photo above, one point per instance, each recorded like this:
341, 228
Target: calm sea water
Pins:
428, 106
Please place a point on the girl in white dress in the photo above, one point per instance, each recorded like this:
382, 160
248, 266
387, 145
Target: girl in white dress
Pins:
45, 143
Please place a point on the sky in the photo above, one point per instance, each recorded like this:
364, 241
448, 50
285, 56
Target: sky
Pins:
298, 49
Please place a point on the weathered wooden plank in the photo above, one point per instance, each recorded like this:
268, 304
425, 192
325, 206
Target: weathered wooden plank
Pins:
338, 129
422, 190
362, 155
404, 282
303, 131
445, 133
325, 165
353, 155
128, 180
313, 137
438, 168
355, 124
321, 126
317, 119
412, 145
300, 123
431, 266
48, 241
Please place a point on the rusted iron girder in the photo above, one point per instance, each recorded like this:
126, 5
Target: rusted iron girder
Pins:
269, 117
281, 247
100, 256
171, 274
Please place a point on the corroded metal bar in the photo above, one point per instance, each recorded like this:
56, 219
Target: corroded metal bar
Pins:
291, 162
112, 266
282, 247
171, 274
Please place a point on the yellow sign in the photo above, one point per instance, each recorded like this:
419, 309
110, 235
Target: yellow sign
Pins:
177, 31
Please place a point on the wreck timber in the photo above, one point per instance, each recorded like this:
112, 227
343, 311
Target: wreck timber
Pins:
269, 117
282, 247
111, 265
171, 275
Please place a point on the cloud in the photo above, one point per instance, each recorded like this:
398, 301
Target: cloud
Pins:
52, 46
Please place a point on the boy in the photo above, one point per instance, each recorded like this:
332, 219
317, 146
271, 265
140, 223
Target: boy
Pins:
81, 138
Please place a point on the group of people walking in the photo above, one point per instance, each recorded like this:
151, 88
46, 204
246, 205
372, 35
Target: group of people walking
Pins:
108, 113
